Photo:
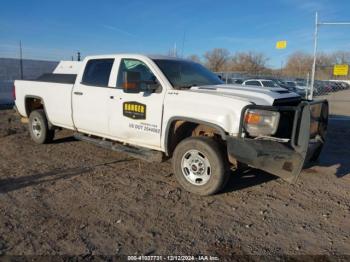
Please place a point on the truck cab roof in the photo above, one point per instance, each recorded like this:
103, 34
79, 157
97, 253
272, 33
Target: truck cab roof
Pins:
136, 55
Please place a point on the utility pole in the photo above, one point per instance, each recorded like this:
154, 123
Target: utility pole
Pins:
317, 24
307, 84
315, 57
281, 71
20, 60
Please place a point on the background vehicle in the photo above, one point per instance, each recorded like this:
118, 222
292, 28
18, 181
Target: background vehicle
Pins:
298, 89
155, 107
282, 84
341, 84
260, 82
322, 87
238, 81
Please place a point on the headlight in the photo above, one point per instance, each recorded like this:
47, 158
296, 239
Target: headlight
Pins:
261, 122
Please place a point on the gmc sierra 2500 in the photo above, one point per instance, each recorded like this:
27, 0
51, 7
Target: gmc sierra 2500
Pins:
156, 107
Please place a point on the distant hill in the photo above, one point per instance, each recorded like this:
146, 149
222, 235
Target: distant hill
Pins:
10, 68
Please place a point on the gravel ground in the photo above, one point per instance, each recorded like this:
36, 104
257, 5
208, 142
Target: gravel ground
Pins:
339, 103
72, 198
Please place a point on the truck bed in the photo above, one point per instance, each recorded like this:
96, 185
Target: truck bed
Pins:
56, 95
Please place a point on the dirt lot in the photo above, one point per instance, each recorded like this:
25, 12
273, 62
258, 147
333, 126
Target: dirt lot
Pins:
72, 198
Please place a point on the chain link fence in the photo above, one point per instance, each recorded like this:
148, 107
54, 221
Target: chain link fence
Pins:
336, 89
10, 71
6, 97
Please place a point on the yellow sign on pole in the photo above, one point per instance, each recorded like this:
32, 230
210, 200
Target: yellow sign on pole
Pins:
341, 70
281, 44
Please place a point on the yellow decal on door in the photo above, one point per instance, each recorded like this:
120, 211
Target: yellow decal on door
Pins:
134, 110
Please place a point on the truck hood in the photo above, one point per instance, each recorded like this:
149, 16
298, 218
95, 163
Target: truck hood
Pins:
255, 95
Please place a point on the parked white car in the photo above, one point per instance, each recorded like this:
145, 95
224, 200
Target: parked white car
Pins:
260, 83
155, 107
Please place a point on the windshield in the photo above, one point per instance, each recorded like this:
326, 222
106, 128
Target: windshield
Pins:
269, 84
185, 74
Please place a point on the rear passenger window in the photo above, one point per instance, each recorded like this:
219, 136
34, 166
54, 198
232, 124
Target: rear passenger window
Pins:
97, 72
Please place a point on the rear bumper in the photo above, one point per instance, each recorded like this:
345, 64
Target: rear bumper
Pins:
284, 159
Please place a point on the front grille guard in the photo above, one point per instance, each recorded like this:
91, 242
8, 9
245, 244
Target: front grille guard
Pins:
316, 111
285, 160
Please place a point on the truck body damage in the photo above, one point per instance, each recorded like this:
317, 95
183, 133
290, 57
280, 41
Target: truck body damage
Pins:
285, 157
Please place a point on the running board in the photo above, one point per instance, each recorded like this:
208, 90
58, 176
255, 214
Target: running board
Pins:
136, 152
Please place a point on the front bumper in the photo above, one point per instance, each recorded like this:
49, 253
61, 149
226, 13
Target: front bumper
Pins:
284, 157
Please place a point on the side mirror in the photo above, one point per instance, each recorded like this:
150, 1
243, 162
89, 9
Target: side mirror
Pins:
152, 86
131, 82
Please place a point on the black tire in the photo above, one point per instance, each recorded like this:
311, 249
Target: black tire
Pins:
39, 128
218, 168
316, 155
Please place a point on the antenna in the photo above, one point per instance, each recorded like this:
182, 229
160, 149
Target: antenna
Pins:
20, 60
183, 44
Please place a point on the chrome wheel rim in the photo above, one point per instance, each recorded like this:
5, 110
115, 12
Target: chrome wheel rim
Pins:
195, 167
36, 127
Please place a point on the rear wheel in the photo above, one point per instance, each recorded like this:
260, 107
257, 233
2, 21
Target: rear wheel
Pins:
39, 127
200, 166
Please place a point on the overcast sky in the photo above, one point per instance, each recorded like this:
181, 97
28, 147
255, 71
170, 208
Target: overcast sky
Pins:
55, 30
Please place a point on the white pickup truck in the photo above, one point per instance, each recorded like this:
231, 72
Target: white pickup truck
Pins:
156, 107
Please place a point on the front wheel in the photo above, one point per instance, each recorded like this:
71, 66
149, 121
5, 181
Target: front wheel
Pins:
200, 165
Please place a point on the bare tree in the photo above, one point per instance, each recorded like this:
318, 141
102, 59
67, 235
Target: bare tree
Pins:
250, 62
324, 66
341, 57
194, 58
216, 59
298, 64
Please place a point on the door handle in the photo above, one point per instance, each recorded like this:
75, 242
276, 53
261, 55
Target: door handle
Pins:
78, 93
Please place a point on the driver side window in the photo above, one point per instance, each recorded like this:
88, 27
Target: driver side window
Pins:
133, 65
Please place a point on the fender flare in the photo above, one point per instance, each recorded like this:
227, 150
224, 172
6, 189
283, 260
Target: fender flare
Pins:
222, 132
42, 101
